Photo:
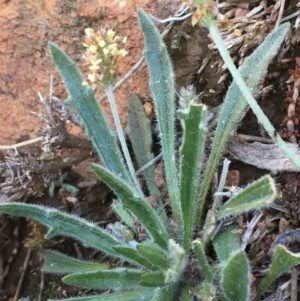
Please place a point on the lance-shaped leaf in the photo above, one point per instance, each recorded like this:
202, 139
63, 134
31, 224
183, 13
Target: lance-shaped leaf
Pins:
82, 99
61, 223
194, 129
153, 279
133, 295
235, 277
257, 195
154, 254
138, 206
235, 103
139, 131
162, 86
226, 242
119, 278
124, 215
283, 260
56, 262
135, 256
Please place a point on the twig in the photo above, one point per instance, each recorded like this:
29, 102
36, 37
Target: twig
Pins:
255, 138
1, 270
42, 285
14, 251
172, 19
78, 252
250, 227
14, 146
282, 3
51, 90
294, 284
149, 164
297, 22
293, 15
282, 293
93, 254
247, 137
24, 269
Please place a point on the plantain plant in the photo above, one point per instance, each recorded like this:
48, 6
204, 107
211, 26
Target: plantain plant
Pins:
171, 262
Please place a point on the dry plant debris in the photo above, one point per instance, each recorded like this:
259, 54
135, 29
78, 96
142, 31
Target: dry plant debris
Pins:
263, 156
243, 29
27, 174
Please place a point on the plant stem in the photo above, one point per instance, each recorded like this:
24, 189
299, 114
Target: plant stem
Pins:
112, 102
248, 96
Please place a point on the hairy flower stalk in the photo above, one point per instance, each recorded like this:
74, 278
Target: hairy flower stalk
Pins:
101, 54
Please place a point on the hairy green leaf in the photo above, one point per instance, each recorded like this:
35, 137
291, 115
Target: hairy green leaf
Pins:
118, 278
162, 86
283, 260
235, 277
135, 256
154, 254
227, 242
133, 295
153, 279
257, 195
138, 206
194, 129
61, 223
56, 262
139, 131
